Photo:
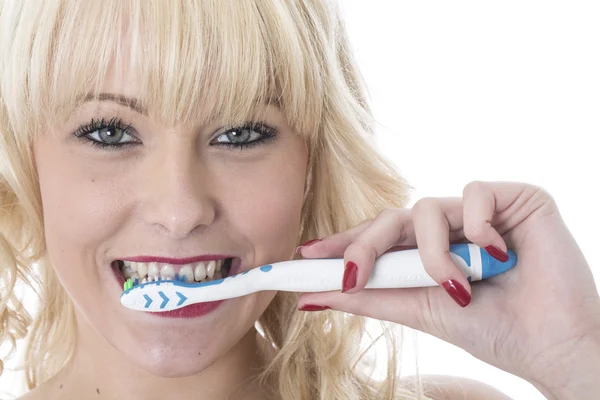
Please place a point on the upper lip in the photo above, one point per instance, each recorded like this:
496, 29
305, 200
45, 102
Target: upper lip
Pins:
175, 261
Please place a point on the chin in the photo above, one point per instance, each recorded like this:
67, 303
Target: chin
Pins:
175, 361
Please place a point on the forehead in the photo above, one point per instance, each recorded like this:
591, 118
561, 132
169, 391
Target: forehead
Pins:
183, 59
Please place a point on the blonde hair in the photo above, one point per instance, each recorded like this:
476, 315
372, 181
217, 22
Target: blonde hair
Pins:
222, 60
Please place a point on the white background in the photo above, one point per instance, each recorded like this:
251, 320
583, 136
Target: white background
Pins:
484, 90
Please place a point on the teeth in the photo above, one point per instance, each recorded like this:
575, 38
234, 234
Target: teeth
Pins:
186, 273
152, 269
210, 269
142, 269
151, 272
127, 272
167, 271
199, 272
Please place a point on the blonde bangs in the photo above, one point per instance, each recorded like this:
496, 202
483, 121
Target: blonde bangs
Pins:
205, 60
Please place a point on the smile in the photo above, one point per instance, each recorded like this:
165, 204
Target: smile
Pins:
142, 270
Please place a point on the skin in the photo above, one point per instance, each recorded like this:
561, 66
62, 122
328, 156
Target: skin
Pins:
173, 195
539, 321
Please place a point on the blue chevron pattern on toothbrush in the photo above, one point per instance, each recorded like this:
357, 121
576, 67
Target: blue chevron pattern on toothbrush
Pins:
182, 298
148, 301
165, 299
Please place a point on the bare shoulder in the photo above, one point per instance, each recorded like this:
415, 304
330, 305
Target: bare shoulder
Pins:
444, 387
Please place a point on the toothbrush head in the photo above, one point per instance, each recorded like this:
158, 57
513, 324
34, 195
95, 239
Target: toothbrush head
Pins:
161, 295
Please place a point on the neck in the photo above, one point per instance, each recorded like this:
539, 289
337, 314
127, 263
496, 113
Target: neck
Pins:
98, 371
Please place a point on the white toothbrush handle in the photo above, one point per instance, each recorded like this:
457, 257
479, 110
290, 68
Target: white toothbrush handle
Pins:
399, 269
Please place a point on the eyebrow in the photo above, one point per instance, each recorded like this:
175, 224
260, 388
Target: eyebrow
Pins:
119, 99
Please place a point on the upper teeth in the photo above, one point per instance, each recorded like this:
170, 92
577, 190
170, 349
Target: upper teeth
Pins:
197, 271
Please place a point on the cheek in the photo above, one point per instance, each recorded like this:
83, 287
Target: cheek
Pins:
267, 205
75, 206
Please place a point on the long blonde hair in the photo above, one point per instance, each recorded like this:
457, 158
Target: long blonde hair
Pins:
222, 58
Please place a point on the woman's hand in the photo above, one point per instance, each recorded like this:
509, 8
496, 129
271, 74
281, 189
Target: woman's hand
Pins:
536, 320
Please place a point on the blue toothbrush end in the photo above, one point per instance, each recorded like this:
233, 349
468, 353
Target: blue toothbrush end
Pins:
492, 267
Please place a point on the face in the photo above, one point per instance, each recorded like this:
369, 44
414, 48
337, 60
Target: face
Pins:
174, 192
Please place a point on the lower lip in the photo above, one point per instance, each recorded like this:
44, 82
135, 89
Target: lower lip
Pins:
191, 311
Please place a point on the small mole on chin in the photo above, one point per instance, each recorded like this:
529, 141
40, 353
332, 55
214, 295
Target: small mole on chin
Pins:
97, 390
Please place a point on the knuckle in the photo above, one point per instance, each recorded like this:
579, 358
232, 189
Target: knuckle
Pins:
360, 247
541, 194
389, 212
367, 221
545, 203
424, 204
474, 186
393, 214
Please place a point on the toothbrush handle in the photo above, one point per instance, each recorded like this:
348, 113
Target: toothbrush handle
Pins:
399, 269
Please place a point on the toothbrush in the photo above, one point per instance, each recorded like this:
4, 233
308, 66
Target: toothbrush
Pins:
398, 269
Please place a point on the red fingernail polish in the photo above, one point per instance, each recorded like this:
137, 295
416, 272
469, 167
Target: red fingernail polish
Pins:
313, 307
350, 274
497, 253
306, 244
457, 292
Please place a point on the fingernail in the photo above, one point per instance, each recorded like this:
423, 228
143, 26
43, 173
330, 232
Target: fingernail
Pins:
313, 307
497, 253
457, 292
350, 274
306, 244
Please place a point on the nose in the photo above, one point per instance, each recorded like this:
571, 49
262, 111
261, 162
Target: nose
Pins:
177, 198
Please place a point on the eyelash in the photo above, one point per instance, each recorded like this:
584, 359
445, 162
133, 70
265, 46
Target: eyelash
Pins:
267, 134
97, 124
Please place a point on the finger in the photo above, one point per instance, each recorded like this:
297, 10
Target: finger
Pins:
483, 203
392, 227
432, 226
416, 308
332, 246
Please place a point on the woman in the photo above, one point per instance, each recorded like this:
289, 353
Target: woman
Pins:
184, 133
